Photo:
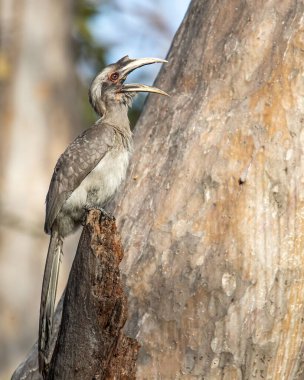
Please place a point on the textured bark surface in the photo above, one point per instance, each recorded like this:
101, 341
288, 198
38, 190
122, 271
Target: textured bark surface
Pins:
212, 216
90, 343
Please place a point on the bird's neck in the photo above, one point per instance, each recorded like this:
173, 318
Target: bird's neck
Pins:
117, 115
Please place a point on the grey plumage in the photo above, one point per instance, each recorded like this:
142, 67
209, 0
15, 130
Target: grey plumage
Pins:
72, 168
86, 175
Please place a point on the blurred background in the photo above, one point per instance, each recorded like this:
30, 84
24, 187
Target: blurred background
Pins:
49, 52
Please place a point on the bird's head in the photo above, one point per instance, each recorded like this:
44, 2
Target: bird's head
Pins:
108, 88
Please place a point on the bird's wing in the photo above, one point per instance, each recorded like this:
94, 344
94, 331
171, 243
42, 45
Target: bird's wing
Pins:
77, 161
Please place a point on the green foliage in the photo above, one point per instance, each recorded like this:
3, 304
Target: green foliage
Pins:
87, 50
90, 55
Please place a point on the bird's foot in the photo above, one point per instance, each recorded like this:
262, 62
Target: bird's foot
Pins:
104, 215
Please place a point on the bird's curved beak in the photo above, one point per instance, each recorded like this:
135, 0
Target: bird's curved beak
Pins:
128, 65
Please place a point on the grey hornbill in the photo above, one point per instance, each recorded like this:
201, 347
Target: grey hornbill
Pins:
87, 175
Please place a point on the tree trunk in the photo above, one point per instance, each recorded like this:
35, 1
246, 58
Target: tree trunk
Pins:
91, 343
212, 214
39, 117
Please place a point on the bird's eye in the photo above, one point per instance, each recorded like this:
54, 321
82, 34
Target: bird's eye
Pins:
114, 77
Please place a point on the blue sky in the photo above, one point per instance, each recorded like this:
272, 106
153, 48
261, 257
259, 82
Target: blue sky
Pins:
139, 28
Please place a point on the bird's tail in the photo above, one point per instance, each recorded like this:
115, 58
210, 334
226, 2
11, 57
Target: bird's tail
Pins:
48, 296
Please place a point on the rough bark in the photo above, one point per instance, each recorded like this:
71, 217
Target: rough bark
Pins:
212, 216
90, 343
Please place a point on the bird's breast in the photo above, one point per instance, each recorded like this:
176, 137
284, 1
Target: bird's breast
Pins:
101, 183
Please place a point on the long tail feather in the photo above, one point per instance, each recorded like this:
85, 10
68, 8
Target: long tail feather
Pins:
48, 297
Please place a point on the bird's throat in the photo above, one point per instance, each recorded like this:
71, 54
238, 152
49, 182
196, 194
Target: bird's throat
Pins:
117, 114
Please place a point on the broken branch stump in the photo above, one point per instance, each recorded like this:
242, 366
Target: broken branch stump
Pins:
91, 343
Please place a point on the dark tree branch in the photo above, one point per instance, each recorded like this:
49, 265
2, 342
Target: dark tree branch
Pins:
90, 343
